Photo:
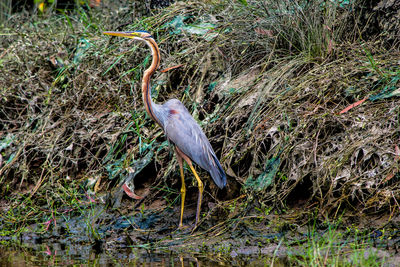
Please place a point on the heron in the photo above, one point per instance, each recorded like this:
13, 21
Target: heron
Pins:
181, 129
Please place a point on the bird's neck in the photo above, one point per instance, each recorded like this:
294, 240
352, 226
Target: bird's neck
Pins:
146, 88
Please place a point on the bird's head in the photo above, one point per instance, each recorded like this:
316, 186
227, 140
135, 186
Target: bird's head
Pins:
136, 35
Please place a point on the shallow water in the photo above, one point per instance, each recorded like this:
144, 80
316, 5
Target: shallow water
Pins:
43, 255
14, 256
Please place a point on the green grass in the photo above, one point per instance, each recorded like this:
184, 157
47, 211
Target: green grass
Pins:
309, 29
335, 248
5, 10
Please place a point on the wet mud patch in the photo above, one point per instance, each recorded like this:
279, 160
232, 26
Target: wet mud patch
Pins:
147, 235
144, 236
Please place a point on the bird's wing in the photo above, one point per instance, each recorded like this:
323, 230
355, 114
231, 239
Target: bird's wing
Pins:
182, 129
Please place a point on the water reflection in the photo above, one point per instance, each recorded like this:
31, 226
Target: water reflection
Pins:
84, 255
73, 256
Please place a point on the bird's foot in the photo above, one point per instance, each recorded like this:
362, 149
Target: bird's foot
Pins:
183, 229
196, 224
193, 228
188, 228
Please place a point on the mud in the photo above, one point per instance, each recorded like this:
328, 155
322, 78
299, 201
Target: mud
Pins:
99, 234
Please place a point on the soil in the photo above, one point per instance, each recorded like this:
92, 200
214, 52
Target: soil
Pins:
152, 233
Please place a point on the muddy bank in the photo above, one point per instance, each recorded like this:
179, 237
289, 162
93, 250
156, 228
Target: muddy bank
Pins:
103, 234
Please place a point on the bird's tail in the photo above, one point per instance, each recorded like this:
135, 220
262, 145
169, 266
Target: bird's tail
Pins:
218, 173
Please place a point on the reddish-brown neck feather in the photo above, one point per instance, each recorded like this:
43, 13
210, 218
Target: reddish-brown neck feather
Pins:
146, 89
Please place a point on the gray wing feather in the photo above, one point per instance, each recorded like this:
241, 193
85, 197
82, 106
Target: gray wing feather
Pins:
182, 129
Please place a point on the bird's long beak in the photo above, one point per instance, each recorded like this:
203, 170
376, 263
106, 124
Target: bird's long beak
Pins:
122, 34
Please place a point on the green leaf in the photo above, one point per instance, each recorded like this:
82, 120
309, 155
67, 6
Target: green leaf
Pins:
6, 141
243, 2
265, 179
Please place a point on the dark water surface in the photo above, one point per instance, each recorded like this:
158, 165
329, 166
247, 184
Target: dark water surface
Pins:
43, 255
14, 256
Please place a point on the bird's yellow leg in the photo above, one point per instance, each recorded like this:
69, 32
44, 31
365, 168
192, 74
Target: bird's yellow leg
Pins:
201, 188
199, 184
183, 188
